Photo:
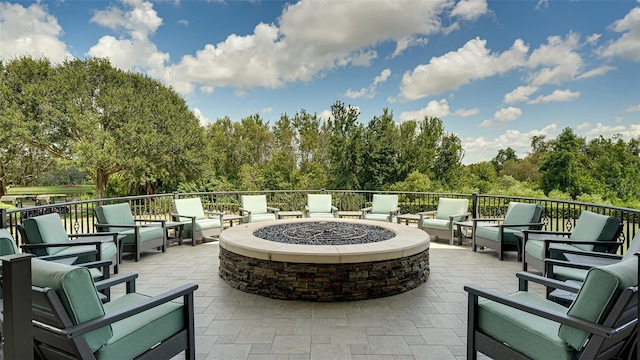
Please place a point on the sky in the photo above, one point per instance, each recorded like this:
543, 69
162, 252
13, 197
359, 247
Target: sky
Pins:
496, 72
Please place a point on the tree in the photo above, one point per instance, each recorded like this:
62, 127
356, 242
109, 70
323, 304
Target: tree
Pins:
346, 147
503, 156
447, 164
104, 121
563, 166
380, 166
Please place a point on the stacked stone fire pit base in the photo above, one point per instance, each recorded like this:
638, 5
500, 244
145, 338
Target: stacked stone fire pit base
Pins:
324, 272
324, 282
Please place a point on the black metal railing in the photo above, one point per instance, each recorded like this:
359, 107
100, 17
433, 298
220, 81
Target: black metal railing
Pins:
558, 215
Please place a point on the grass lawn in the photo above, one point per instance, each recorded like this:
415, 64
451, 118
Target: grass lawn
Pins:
69, 190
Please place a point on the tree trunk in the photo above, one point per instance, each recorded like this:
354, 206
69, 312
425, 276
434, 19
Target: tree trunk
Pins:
101, 184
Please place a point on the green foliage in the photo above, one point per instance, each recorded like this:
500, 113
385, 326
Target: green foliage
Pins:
416, 181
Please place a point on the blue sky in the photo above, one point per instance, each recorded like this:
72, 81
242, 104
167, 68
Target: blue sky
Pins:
496, 72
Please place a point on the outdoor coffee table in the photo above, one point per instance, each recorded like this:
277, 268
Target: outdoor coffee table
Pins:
289, 214
349, 214
467, 226
408, 218
177, 228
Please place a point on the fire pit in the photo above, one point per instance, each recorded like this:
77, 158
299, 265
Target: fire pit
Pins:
328, 260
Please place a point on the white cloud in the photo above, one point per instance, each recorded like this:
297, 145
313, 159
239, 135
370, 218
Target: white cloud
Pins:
184, 22
556, 96
325, 115
599, 71
434, 108
628, 45
481, 149
204, 121
267, 110
408, 42
634, 108
467, 112
607, 131
592, 39
470, 9
583, 126
30, 31
507, 114
558, 60
450, 71
370, 91
520, 94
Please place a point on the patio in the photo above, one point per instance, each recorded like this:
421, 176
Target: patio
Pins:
425, 323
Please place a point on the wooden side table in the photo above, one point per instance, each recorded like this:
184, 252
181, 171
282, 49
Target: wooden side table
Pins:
231, 218
289, 214
408, 218
349, 214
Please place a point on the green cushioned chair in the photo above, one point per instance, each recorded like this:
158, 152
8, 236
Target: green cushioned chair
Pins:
46, 235
320, 206
601, 322
254, 208
139, 234
439, 223
383, 208
593, 232
577, 271
197, 224
502, 236
70, 321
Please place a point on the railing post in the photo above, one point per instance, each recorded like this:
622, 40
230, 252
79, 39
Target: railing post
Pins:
16, 291
176, 195
474, 205
3, 220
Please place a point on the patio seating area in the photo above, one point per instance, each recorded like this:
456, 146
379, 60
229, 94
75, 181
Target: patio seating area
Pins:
428, 322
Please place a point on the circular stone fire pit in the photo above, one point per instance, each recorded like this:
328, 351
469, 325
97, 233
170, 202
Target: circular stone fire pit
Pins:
328, 260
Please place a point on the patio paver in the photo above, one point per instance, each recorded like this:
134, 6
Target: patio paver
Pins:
428, 322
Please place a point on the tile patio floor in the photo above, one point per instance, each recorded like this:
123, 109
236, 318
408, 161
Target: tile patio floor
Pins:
426, 323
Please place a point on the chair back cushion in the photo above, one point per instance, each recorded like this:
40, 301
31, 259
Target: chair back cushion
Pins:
257, 204
8, 245
594, 227
319, 203
633, 248
383, 204
596, 297
191, 207
521, 213
448, 207
115, 214
76, 291
46, 229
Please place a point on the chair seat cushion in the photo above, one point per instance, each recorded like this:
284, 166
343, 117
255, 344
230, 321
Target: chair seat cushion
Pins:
259, 217
436, 224
565, 273
379, 217
321, 215
491, 233
531, 335
535, 248
147, 233
136, 334
108, 251
203, 224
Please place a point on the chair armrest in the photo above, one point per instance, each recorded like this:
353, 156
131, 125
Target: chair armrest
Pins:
273, 209
611, 245
593, 254
93, 234
556, 316
395, 211
366, 210
466, 215
129, 226
176, 217
151, 222
543, 232
549, 264
81, 329
58, 256
519, 225
430, 214
243, 210
211, 212
525, 277
128, 279
487, 219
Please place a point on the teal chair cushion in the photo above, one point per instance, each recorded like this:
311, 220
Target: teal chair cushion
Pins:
448, 207
46, 229
530, 335
257, 204
115, 214
203, 225
319, 203
191, 207
259, 217
536, 249
596, 297
7, 244
633, 248
77, 293
321, 215
380, 217
147, 233
492, 233
134, 335
436, 224
521, 213
383, 204
594, 227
